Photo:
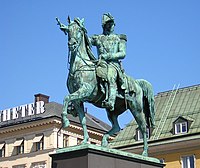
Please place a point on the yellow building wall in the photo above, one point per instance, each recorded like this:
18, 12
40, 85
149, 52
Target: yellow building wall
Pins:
29, 156
26, 159
174, 160
28, 131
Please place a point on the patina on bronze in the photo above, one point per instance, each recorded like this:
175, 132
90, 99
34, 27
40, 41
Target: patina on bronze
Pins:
111, 48
102, 81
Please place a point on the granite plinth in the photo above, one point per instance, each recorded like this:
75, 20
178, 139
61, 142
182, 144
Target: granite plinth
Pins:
92, 156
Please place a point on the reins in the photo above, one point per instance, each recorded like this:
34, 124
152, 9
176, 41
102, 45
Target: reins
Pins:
78, 54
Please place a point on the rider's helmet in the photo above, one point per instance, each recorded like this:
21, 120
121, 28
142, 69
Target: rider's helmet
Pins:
107, 17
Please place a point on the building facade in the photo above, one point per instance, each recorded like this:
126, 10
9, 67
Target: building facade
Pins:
29, 133
176, 138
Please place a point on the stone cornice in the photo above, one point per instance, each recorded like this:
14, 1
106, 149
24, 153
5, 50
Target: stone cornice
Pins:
166, 145
29, 124
43, 122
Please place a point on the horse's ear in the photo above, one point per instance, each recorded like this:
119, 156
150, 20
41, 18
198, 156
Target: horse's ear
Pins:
82, 21
68, 19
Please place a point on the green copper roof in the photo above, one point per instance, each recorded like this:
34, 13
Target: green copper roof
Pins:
169, 106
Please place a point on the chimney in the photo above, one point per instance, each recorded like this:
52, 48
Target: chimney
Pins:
41, 97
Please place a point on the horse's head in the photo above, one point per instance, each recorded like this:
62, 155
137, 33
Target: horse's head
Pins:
75, 31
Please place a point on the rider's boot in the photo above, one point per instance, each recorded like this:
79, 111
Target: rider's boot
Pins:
124, 84
111, 99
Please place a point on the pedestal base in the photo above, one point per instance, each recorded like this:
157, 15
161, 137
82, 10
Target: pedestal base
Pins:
92, 156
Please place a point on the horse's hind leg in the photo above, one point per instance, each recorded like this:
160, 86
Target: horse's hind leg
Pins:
136, 110
115, 127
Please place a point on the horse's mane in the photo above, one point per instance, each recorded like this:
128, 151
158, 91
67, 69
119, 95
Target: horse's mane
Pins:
87, 41
88, 47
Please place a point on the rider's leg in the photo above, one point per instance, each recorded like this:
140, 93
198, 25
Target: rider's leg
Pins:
112, 96
112, 75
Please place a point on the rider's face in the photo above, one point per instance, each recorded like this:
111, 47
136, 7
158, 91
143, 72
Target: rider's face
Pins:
109, 26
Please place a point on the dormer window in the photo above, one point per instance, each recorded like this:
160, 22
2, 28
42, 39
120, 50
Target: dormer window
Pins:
140, 136
181, 128
182, 124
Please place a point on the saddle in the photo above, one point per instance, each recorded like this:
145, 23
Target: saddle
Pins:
125, 83
102, 70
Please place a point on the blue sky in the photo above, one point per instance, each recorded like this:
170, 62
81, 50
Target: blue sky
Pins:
163, 45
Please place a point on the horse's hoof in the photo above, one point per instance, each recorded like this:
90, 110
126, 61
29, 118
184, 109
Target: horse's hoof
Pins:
144, 153
66, 123
104, 144
85, 141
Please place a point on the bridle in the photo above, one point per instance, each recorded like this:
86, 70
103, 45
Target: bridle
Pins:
77, 42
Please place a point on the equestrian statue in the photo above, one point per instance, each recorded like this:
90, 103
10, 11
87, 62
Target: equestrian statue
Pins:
103, 81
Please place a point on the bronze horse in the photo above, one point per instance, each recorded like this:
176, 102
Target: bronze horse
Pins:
83, 86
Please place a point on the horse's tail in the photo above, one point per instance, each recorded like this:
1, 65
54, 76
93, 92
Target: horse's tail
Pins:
148, 101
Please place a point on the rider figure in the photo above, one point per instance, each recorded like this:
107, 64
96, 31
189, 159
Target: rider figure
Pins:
111, 48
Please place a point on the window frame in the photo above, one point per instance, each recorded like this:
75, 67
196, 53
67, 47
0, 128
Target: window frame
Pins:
162, 160
37, 164
39, 145
139, 134
19, 166
20, 148
65, 140
187, 157
79, 141
3, 151
180, 129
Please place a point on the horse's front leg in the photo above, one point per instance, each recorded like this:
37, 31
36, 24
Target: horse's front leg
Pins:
81, 94
80, 109
65, 120
74, 96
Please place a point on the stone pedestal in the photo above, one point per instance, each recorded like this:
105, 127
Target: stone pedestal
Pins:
92, 156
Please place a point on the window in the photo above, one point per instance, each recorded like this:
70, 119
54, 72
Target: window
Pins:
39, 142
188, 161
181, 128
182, 124
19, 166
2, 149
162, 160
65, 140
38, 165
19, 146
140, 136
79, 141
93, 143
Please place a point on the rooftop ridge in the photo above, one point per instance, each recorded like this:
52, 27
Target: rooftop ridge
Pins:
180, 89
91, 117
